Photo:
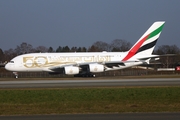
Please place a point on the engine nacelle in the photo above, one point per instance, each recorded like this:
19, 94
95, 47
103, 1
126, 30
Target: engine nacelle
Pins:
96, 68
71, 70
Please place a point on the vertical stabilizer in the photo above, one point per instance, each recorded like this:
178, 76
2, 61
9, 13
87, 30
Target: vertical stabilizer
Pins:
145, 45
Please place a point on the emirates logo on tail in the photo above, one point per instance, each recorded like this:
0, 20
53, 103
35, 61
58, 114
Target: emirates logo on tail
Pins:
147, 42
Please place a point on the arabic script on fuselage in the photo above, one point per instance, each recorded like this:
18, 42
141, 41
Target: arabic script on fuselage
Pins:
47, 61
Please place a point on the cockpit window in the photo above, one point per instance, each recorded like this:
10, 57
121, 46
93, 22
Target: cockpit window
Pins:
11, 62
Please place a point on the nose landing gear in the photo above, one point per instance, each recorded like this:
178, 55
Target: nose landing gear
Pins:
16, 74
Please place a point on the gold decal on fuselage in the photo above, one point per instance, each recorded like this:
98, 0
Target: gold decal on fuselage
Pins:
80, 59
31, 62
101, 58
47, 61
28, 61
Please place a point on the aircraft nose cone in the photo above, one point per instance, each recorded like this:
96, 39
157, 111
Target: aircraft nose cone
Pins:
7, 67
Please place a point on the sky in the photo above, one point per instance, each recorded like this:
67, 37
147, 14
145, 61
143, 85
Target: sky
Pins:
80, 23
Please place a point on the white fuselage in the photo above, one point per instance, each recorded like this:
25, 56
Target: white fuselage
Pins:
36, 62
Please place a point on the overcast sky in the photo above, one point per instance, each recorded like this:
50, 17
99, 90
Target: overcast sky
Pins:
80, 23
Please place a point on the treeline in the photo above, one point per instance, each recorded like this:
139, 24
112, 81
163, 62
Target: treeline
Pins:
116, 45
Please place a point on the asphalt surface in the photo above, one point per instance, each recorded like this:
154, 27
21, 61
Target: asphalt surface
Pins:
123, 116
89, 83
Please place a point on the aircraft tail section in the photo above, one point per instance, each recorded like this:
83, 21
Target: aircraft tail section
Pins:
145, 45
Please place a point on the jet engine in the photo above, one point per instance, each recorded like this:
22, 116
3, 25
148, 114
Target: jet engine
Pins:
71, 70
96, 68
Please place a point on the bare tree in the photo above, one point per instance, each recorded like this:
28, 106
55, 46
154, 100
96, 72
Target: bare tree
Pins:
167, 49
23, 48
93, 49
100, 46
9, 54
168, 61
41, 49
50, 50
119, 45
1, 55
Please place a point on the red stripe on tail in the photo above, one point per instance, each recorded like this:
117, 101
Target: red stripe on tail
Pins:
134, 49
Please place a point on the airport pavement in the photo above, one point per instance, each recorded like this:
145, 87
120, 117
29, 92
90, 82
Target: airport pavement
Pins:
89, 83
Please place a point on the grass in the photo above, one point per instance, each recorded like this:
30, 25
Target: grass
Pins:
89, 100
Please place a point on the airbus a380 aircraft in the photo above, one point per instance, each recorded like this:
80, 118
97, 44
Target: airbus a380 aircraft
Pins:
87, 63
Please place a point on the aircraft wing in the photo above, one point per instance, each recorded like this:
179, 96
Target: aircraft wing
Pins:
59, 68
109, 64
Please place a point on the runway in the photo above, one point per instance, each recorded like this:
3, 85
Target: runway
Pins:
89, 83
